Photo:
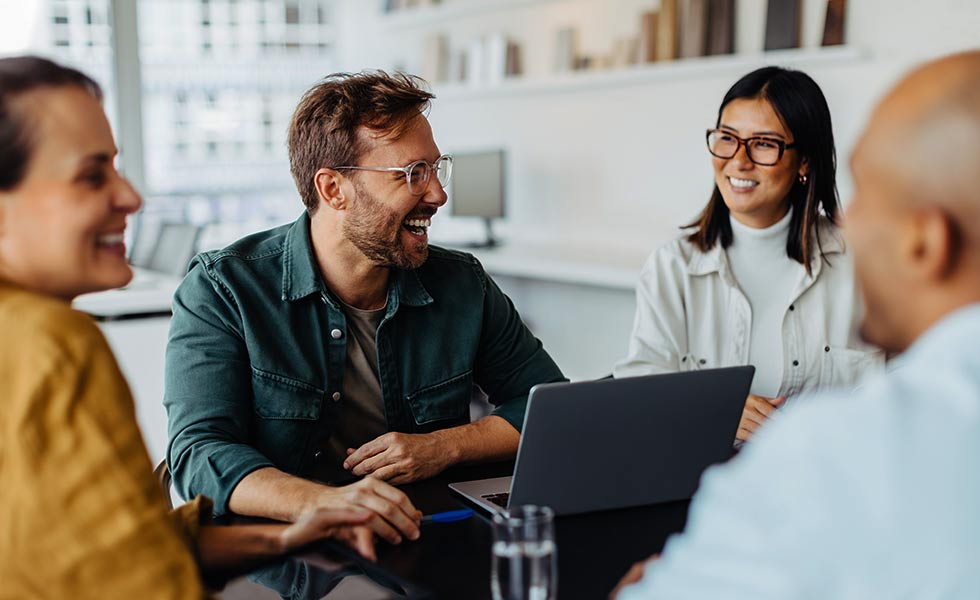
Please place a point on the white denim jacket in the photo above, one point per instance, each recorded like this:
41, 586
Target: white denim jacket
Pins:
691, 314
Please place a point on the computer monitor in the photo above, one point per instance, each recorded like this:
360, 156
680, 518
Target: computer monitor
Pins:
478, 189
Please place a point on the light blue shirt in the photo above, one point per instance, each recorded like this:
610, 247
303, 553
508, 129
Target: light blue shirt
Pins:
875, 494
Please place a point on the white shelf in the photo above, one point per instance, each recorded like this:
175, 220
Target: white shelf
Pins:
434, 14
687, 68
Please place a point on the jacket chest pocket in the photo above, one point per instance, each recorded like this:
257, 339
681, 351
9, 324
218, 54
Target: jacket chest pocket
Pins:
286, 412
844, 367
443, 404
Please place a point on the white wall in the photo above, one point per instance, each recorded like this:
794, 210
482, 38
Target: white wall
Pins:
625, 165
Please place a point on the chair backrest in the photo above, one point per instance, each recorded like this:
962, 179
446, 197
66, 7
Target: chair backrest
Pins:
162, 473
175, 245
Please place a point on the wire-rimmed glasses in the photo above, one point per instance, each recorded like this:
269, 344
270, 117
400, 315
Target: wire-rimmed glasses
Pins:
764, 151
418, 173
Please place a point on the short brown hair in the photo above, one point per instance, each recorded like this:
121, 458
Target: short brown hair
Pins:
323, 131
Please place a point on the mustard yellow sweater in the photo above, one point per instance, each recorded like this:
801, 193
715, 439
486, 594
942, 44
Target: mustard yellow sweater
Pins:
81, 515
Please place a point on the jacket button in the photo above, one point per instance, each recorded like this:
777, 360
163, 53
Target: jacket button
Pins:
336, 396
336, 334
826, 348
792, 307
796, 363
702, 361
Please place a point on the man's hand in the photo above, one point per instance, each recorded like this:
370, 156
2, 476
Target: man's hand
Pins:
632, 576
392, 514
757, 410
400, 457
348, 526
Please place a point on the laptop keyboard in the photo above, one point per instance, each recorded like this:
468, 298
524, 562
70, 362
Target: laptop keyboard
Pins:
498, 499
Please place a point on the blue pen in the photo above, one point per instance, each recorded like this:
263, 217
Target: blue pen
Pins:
449, 516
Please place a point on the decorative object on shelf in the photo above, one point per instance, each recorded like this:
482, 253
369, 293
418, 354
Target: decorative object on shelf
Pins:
667, 30
487, 60
783, 24
694, 28
833, 28
625, 52
721, 27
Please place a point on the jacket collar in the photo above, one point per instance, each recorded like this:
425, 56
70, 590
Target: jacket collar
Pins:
715, 260
301, 276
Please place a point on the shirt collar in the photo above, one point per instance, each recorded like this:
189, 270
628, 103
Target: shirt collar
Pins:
301, 277
956, 330
299, 273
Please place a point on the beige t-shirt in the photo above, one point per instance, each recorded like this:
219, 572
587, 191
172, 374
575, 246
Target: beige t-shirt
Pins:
362, 413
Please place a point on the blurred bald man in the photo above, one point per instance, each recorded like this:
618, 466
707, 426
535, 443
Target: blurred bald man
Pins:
877, 494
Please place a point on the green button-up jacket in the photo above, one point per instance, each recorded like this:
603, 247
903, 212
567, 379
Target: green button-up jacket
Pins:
255, 361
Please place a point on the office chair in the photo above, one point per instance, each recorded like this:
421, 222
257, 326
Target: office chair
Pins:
162, 473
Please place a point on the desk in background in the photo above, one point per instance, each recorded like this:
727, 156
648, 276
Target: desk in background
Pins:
578, 300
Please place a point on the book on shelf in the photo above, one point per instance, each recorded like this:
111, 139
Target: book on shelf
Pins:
514, 66
646, 50
833, 27
476, 61
667, 30
783, 24
495, 53
435, 58
486, 60
694, 28
721, 27
457, 65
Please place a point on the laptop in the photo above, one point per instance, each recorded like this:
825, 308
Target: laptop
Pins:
616, 443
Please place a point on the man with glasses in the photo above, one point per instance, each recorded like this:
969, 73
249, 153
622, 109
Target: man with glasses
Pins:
343, 345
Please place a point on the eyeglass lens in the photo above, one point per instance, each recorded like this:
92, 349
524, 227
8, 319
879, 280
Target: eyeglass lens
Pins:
419, 174
760, 150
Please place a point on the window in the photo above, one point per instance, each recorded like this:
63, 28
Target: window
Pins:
214, 131
219, 83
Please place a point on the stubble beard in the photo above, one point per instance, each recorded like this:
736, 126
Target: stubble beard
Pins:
376, 232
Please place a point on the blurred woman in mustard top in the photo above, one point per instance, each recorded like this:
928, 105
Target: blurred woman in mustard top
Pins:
81, 515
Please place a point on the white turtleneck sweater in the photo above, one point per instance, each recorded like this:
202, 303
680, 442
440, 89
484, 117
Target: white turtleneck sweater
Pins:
767, 276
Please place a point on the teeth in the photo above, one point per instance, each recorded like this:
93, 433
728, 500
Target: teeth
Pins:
742, 183
110, 238
418, 222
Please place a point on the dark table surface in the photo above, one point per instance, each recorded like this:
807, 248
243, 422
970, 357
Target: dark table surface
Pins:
452, 560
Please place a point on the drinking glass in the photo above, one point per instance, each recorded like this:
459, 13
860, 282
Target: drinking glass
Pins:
525, 557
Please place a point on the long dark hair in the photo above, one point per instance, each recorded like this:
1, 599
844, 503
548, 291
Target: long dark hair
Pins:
19, 75
800, 104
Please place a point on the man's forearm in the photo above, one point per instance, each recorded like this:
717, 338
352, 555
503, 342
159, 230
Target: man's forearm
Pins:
238, 546
489, 439
270, 493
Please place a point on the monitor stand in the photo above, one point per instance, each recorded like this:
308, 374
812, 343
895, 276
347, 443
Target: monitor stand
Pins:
489, 242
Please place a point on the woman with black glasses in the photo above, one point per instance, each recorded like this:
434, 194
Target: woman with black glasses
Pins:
762, 277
